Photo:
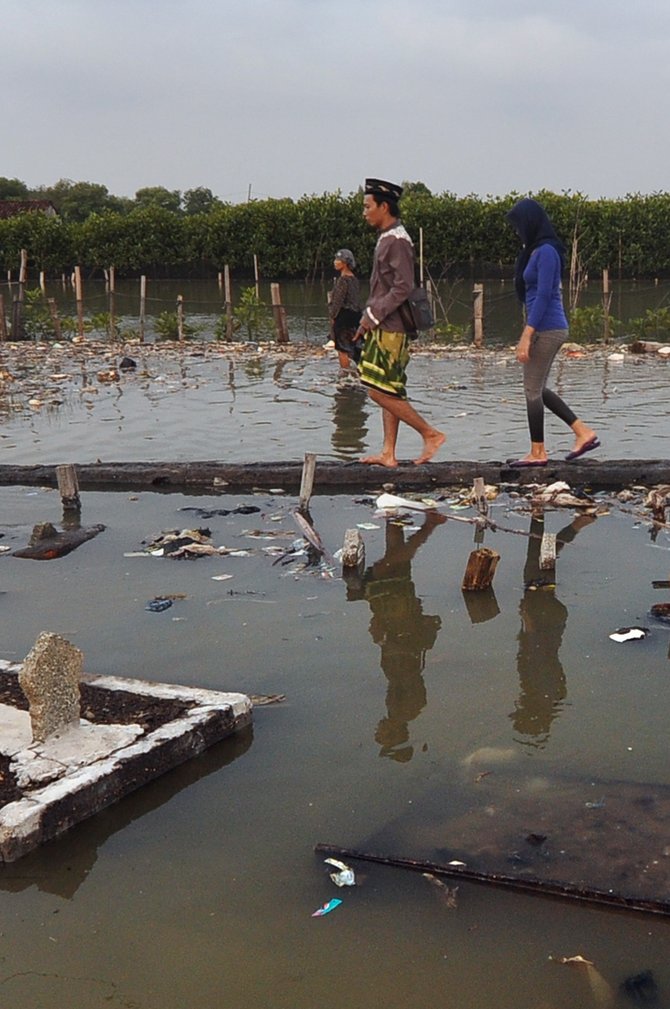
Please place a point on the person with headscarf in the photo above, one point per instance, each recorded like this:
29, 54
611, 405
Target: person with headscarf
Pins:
384, 332
537, 278
343, 308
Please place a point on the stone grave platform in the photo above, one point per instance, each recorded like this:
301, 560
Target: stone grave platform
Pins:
125, 733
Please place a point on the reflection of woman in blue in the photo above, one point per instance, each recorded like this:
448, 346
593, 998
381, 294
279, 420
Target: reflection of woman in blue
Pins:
403, 632
543, 618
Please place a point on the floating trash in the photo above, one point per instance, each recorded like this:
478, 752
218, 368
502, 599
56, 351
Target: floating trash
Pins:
327, 908
629, 633
386, 501
158, 605
344, 876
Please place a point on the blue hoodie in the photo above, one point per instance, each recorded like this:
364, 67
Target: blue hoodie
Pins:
539, 266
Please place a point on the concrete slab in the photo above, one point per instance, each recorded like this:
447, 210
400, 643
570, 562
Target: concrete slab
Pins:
77, 772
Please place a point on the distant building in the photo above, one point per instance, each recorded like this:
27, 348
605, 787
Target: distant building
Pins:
12, 208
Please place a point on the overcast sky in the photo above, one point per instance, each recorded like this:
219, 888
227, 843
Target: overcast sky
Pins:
307, 96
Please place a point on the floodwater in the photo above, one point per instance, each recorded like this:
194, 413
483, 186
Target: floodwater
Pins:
407, 704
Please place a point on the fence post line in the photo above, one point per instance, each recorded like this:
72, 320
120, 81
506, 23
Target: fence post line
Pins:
79, 297
257, 278
607, 301
180, 317
279, 313
228, 297
53, 311
478, 315
111, 285
143, 305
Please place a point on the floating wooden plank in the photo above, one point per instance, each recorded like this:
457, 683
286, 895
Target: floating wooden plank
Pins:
339, 476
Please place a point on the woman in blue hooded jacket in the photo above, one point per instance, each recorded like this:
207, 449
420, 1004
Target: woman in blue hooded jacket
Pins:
537, 279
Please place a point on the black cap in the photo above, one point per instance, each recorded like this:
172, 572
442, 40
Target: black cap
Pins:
387, 190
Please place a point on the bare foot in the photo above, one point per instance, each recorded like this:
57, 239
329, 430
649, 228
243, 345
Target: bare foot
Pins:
431, 443
380, 460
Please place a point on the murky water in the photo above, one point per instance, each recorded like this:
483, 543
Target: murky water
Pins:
265, 404
199, 889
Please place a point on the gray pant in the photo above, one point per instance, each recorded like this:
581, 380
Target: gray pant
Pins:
544, 347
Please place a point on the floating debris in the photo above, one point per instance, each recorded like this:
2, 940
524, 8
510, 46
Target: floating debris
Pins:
158, 605
344, 876
392, 501
327, 908
448, 893
629, 633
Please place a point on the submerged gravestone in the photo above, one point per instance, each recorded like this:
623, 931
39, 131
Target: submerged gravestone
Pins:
50, 678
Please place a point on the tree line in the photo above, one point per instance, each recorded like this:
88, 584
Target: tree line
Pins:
167, 233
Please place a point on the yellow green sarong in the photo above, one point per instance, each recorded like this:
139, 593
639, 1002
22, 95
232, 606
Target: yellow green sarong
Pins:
383, 362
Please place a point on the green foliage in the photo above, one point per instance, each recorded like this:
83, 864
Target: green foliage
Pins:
451, 332
653, 325
587, 325
13, 189
252, 315
159, 196
37, 320
166, 326
160, 230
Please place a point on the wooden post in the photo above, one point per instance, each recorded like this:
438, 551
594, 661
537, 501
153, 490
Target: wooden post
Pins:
279, 313
3, 323
431, 296
55, 321
478, 315
220, 280
607, 301
68, 487
18, 326
479, 495
548, 552
143, 305
43, 285
111, 284
353, 549
480, 569
421, 256
79, 296
256, 277
23, 272
307, 480
180, 317
228, 297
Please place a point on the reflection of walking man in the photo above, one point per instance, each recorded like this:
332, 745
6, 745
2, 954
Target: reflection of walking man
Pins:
543, 618
403, 632
385, 353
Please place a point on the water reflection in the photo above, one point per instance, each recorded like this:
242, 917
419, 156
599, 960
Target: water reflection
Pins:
402, 630
349, 421
61, 866
542, 682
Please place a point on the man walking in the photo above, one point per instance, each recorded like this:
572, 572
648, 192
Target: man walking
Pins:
385, 351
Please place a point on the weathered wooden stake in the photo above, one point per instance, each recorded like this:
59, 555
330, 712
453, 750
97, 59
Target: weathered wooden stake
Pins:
3, 322
478, 315
43, 285
79, 296
607, 301
479, 495
279, 313
220, 280
421, 256
307, 480
256, 277
480, 569
143, 305
180, 317
228, 298
548, 552
353, 549
55, 321
111, 285
68, 487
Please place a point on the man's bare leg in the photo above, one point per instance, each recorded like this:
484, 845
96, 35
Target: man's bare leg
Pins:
395, 410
